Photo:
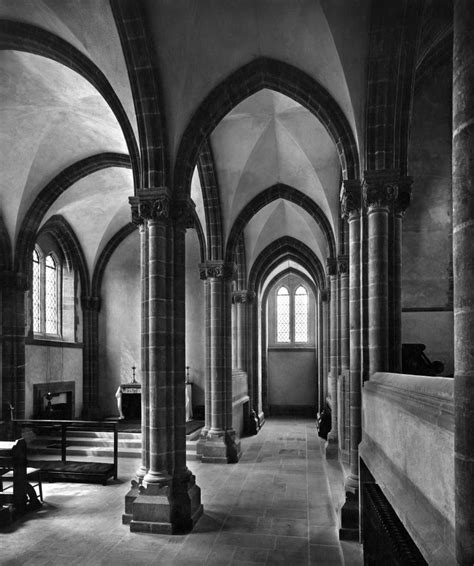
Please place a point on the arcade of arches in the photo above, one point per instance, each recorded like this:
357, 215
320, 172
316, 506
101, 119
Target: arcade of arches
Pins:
277, 195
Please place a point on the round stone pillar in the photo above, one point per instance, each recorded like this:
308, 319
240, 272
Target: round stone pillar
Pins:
159, 353
351, 209
344, 424
463, 267
355, 385
241, 301
145, 408
333, 356
220, 445
321, 396
168, 501
324, 328
378, 197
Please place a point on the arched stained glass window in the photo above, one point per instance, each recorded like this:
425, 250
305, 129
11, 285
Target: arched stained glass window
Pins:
283, 315
36, 292
51, 295
301, 314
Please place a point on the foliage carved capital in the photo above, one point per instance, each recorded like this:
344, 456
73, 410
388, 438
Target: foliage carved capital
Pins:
150, 204
388, 190
351, 198
217, 270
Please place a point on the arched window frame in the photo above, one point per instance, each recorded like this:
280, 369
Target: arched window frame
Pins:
289, 336
41, 281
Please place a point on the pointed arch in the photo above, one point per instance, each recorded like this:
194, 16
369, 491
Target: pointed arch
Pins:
280, 191
52, 191
20, 36
283, 249
275, 75
211, 198
62, 232
138, 51
106, 254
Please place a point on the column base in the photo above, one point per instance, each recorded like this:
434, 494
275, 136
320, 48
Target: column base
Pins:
219, 448
332, 447
129, 499
350, 518
172, 508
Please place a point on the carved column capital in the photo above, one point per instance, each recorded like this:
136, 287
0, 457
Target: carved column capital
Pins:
331, 267
183, 214
324, 294
150, 204
387, 189
242, 296
351, 198
90, 303
343, 265
217, 269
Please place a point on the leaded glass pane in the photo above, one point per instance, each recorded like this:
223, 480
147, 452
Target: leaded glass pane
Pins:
51, 295
36, 293
301, 315
283, 315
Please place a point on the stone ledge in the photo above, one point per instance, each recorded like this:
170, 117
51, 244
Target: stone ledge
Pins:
431, 531
428, 398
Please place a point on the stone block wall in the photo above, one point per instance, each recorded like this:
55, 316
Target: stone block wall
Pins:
408, 448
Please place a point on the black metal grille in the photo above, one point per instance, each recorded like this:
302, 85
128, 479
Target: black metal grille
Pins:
386, 541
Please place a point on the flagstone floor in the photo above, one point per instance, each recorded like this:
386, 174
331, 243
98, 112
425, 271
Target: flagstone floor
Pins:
273, 507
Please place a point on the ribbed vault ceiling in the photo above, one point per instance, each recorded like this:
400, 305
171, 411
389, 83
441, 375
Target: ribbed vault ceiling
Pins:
52, 118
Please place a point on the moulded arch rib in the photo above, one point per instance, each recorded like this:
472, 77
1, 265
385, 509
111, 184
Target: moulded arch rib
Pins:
280, 191
62, 232
20, 36
249, 79
32, 219
281, 250
212, 207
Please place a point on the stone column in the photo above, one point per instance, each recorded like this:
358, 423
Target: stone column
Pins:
241, 300
378, 197
332, 446
463, 265
168, 500
235, 334
401, 202
351, 209
321, 397
386, 196
325, 352
186, 495
13, 286
220, 445
90, 356
145, 409
344, 425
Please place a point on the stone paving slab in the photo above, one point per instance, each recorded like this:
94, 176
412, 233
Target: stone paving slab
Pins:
273, 507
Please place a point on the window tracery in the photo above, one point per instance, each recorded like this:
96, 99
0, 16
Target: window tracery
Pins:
46, 293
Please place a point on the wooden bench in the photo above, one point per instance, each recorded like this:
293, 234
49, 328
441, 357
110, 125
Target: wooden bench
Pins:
70, 470
19, 495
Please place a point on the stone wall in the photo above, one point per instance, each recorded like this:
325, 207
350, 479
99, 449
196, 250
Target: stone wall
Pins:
52, 363
427, 294
195, 319
408, 448
119, 323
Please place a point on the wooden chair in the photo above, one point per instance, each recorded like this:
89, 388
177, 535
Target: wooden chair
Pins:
33, 476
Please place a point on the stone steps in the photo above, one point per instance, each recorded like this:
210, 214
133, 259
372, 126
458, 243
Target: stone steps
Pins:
97, 444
